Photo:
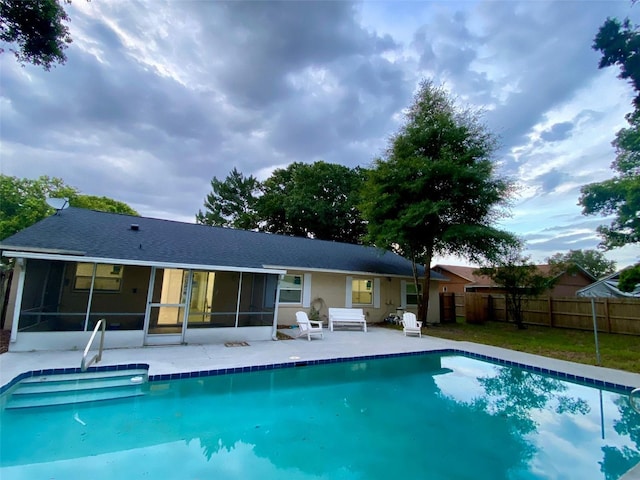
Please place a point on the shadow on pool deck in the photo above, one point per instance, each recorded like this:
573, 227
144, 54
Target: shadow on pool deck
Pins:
337, 344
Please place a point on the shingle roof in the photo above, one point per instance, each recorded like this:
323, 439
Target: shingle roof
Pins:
468, 274
109, 235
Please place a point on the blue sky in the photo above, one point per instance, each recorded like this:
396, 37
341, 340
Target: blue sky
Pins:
157, 97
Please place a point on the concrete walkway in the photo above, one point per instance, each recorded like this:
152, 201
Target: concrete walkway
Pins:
337, 344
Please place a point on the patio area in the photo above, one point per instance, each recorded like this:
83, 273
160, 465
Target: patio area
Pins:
337, 344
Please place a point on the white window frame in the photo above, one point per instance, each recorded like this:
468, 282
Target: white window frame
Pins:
404, 286
301, 289
116, 270
371, 281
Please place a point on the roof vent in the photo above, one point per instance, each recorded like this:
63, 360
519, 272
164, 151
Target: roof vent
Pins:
135, 227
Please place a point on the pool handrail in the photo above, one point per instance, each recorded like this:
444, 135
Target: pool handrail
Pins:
84, 364
635, 405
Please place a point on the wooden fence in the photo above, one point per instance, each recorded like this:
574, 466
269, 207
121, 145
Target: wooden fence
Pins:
613, 315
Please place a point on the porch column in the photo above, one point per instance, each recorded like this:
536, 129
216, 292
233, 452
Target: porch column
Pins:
17, 306
274, 333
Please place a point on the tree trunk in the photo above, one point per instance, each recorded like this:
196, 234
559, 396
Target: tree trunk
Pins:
423, 306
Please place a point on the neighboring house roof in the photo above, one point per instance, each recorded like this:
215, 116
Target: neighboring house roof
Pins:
485, 281
548, 269
467, 274
608, 287
76, 231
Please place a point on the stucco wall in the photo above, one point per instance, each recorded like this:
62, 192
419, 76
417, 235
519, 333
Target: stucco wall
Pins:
329, 290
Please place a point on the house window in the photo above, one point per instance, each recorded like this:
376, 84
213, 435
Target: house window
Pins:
108, 277
411, 297
362, 292
291, 289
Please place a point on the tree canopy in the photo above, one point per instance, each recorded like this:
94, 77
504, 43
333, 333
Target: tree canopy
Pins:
24, 201
232, 202
318, 200
593, 261
436, 190
36, 31
619, 43
629, 278
519, 277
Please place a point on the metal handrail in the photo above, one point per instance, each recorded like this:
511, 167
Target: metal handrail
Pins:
635, 405
98, 356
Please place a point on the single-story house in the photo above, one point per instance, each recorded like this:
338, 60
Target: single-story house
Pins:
463, 279
608, 287
166, 282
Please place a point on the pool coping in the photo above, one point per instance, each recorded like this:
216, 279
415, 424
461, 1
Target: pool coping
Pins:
579, 379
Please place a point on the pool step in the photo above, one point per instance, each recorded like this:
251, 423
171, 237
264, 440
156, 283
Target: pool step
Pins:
70, 388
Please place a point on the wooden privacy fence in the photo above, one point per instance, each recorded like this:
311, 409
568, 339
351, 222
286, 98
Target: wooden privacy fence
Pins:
613, 315
451, 307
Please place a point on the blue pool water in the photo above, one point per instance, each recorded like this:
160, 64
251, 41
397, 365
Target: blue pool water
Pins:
429, 416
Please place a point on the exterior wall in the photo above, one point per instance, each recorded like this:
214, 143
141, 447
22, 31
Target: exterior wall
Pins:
568, 284
455, 284
329, 290
29, 341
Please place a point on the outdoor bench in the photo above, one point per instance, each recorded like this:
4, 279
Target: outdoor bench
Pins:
347, 316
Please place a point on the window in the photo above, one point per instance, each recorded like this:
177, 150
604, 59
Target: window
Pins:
411, 294
108, 277
362, 292
291, 289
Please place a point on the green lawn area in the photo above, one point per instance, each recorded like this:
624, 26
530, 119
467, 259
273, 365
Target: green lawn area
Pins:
617, 351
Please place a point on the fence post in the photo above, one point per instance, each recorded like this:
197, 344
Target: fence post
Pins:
550, 304
606, 314
490, 312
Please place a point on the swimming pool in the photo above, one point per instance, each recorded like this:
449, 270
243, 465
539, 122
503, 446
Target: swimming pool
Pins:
423, 416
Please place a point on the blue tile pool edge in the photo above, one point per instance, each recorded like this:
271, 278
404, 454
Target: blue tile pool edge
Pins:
618, 388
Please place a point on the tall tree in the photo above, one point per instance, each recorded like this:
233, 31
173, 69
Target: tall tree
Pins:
232, 202
23, 201
102, 204
519, 278
629, 279
318, 200
36, 29
593, 261
619, 43
436, 190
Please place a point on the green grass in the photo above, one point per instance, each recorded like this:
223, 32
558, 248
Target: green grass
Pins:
621, 352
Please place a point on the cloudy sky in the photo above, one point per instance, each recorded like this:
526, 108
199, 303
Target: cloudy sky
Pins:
156, 98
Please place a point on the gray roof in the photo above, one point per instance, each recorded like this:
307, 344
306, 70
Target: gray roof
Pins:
608, 287
110, 236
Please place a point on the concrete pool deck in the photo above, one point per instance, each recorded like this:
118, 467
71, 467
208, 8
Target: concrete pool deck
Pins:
336, 344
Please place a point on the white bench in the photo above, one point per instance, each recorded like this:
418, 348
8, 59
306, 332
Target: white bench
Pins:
347, 316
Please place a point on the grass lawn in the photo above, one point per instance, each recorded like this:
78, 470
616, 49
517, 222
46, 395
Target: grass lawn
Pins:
617, 351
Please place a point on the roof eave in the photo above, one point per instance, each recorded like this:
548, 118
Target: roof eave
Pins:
139, 263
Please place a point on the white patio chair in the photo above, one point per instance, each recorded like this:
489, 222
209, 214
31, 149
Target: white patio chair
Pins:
306, 326
410, 325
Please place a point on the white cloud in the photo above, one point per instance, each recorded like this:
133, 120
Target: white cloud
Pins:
158, 97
